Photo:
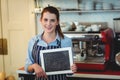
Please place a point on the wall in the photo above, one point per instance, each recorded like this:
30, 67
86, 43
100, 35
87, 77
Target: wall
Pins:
84, 16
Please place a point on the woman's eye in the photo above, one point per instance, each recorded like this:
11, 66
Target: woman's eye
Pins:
45, 19
52, 20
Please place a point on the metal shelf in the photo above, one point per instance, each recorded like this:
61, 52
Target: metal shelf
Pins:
38, 11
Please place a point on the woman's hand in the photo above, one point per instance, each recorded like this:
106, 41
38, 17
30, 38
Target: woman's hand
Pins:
74, 68
39, 71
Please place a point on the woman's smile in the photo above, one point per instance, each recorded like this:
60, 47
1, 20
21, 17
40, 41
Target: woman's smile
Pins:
48, 27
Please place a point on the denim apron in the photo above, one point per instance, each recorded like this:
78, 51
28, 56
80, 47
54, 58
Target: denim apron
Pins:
35, 54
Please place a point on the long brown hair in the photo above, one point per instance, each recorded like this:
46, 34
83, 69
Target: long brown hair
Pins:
54, 10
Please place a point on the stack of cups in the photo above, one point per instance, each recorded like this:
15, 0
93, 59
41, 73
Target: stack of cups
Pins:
107, 6
81, 6
98, 6
89, 5
116, 5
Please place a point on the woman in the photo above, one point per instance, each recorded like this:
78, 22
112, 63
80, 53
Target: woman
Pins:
52, 37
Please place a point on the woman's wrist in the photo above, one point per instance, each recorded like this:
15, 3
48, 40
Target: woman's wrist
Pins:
32, 67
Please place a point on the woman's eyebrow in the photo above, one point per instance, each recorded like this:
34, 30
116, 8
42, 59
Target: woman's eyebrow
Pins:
52, 19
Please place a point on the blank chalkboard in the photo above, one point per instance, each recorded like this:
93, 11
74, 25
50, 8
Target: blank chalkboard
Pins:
57, 61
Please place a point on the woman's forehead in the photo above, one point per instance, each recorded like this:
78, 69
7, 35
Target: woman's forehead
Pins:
49, 15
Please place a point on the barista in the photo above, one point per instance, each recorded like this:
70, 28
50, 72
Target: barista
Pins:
51, 38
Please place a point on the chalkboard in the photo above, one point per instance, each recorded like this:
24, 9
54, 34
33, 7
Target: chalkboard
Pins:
56, 61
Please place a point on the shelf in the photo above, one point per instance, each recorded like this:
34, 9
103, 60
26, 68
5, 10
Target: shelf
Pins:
86, 11
38, 11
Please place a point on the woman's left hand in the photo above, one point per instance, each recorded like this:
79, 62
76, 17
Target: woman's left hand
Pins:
74, 68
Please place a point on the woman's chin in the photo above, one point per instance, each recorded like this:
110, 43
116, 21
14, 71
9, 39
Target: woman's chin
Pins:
49, 31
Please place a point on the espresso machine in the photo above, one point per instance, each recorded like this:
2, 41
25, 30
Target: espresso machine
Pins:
115, 57
92, 50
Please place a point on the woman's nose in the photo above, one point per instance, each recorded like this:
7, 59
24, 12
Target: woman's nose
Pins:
48, 22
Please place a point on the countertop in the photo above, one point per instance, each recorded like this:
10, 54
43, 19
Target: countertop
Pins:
106, 74
22, 71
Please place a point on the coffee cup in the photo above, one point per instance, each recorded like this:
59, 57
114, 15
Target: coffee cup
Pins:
79, 28
95, 27
88, 29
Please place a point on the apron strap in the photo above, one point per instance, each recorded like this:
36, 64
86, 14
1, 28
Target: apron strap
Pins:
34, 51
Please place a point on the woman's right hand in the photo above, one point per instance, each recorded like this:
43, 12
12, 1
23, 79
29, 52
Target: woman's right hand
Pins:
38, 70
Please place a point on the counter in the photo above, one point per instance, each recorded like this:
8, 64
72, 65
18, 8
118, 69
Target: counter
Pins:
23, 75
80, 75
101, 75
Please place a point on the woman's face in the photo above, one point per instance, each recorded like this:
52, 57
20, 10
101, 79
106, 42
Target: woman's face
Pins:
49, 22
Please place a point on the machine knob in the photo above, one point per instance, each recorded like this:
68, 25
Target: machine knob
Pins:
96, 37
117, 58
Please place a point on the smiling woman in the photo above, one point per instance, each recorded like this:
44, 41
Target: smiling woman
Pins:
51, 38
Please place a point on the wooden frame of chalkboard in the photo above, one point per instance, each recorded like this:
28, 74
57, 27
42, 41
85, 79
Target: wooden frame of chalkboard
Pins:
57, 61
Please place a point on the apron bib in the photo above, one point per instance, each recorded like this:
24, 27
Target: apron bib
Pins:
36, 57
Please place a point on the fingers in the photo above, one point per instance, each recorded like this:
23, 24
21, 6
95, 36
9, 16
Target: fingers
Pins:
41, 74
74, 68
39, 71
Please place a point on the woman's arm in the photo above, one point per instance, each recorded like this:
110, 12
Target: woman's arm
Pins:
37, 69
30, 65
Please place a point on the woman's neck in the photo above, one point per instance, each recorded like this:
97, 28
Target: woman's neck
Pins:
49, 37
